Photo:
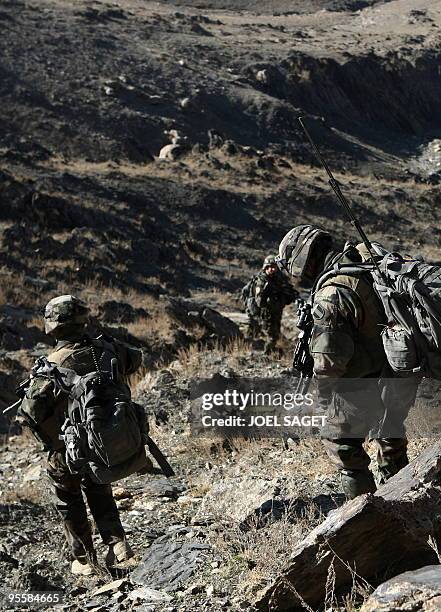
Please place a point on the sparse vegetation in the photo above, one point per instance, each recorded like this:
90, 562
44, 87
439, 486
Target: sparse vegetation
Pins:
90, 92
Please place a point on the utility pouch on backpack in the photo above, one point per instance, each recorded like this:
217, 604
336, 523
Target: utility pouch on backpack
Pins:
401, 351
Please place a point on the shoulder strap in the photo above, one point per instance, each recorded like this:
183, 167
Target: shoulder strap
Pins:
342, 269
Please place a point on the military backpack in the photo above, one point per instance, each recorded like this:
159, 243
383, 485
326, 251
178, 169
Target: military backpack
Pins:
104, 430
410, 292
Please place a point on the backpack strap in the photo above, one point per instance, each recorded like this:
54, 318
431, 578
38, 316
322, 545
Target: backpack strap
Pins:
62, 378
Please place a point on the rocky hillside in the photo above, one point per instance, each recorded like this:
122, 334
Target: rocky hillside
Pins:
91, 92
150, 157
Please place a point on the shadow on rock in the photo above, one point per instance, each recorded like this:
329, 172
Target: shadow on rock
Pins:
291, 510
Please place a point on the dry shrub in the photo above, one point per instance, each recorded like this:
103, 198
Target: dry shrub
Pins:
259, 553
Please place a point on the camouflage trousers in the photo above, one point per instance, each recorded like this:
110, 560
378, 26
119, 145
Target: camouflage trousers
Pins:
267, 325
70, 503
395, 398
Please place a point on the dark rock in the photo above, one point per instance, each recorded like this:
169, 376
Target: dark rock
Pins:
191, 314
219, 325
163, 488
169, 564
375, 534
39, 283
417, 590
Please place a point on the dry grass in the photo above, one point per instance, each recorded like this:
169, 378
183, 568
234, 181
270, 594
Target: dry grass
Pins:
3, 295
433, 544
259, 554
15, 289
218, 297
142, 380
190, 361
158, 326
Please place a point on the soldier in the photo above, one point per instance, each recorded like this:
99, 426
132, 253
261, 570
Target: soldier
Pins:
265, 296
346, 343
65, 321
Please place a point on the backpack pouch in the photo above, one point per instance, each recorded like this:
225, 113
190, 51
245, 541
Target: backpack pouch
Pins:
117, 439
76, 441
401, 352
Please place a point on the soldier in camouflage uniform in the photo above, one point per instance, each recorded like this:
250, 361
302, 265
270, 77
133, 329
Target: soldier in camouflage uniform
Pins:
265, 296
65, 321
346, 343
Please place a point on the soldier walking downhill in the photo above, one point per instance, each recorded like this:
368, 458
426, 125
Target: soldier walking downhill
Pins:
346, 343
43, 410
265, 296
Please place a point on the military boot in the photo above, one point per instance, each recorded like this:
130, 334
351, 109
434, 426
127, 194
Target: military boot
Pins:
357, 482
120, 556
82, 567
391, 458
389, 467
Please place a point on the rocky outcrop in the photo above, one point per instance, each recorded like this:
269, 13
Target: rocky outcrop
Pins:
369, 537
417, 590
191, 314
168, 564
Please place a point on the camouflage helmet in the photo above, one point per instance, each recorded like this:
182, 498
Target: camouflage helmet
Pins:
299, 247
64, 311
270, 260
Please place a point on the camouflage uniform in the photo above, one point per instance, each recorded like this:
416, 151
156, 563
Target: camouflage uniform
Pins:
267, 297
80, 353
346, 344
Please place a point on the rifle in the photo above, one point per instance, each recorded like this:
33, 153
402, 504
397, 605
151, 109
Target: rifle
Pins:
159, 457
342, 199
303, 363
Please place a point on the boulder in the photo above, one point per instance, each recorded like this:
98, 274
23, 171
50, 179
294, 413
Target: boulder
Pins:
192, 314
162, 487
372, 536
219, 325
239, 498
113, 311
411, 591
171, 152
